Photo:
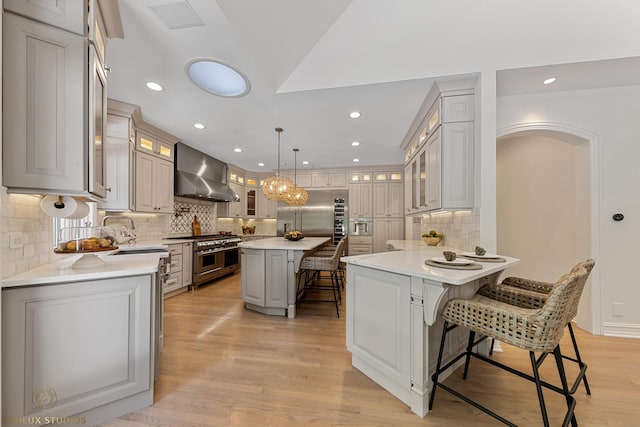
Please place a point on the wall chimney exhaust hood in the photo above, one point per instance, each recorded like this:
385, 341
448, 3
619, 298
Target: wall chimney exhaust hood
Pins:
200, 176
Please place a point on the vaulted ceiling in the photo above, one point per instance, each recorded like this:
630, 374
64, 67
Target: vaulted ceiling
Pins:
312, 62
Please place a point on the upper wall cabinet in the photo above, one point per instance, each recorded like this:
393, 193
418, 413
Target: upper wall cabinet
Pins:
54, 98
67, 15
439, 152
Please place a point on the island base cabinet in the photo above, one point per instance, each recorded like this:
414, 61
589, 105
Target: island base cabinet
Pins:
78, 350
393, 330
265, 280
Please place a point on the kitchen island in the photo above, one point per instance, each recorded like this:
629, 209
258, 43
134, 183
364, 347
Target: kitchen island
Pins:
268, 272
393, 325
80, 345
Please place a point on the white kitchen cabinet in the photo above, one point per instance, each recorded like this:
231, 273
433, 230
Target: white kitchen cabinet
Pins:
457, 160
44, 111
67, 15
180, 277
120, 165
266, 208
433, 179
89, 342
54, 98
154, 184
360, 200
236, 209
251, 202
359, 245
322, 179
388, 199
439, 170
265, 284
301, 179
153, 145
386, 229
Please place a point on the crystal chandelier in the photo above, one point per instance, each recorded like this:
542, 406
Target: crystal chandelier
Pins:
297, 196
277, 187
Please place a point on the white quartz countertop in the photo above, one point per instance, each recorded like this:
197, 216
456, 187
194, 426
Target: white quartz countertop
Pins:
60, 271
305, 244
410, 262
409, 245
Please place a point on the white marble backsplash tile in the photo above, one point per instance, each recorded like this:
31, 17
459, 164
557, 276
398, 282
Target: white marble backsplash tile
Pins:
460, 229
22, 214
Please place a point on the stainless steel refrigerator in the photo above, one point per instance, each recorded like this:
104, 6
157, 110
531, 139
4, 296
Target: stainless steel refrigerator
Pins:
324, 214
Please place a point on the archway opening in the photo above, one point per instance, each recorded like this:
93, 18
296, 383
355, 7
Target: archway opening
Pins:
543, 189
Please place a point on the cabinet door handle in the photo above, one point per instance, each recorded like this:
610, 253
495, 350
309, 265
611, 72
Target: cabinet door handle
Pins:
107, 69
108, 189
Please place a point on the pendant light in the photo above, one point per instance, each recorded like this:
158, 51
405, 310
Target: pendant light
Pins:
297, 196
277, 187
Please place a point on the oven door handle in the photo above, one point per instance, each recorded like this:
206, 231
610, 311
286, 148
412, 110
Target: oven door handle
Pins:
209, 271
210, 251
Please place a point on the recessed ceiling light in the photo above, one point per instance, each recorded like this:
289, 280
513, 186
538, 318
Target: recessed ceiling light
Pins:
217, 78
356, 160
354, 114
199, 126
549, 80
355, 143
305, 162
261, 164
155, 86
238, 150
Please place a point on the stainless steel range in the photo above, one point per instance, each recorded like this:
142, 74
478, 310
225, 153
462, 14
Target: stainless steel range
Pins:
215, 256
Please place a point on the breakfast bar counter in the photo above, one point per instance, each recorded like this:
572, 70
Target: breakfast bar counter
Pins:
393, 325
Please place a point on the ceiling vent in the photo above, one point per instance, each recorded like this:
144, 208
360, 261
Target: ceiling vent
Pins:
177, 14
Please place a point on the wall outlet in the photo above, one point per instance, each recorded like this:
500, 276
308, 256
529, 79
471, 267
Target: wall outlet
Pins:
618, 309
16, 240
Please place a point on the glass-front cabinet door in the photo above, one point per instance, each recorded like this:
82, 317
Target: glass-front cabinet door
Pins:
97, 126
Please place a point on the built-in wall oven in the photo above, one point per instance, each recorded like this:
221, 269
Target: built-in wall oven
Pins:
215, 256
360, 226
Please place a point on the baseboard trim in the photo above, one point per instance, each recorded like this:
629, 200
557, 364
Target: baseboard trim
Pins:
622, 330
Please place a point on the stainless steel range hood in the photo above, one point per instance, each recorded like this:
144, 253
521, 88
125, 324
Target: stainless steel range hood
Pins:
200, 176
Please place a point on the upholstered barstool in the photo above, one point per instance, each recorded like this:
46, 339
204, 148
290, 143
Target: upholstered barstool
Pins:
309, 273
529, 293
532, 329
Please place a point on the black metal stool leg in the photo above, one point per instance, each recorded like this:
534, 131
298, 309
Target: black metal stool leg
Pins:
580, 362
434, 378
536, 376
472, 336
571, 402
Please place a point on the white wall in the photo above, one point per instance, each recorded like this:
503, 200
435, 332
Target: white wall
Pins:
537, 205
611, 115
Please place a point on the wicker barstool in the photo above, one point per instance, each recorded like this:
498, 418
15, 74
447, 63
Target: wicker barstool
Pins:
328, 250
531, 329
529, 293
309, 273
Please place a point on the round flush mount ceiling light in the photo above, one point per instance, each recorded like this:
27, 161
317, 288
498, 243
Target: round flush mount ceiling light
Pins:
356, 160
355, 143
237, 150
261, 164
155, 86
354, 114
549, 81
217, 78
305, 162
199, 126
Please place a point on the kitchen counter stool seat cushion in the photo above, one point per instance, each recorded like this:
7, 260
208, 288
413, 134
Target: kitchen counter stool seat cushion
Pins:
532, 329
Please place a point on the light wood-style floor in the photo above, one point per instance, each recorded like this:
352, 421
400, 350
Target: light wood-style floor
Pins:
227, 366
